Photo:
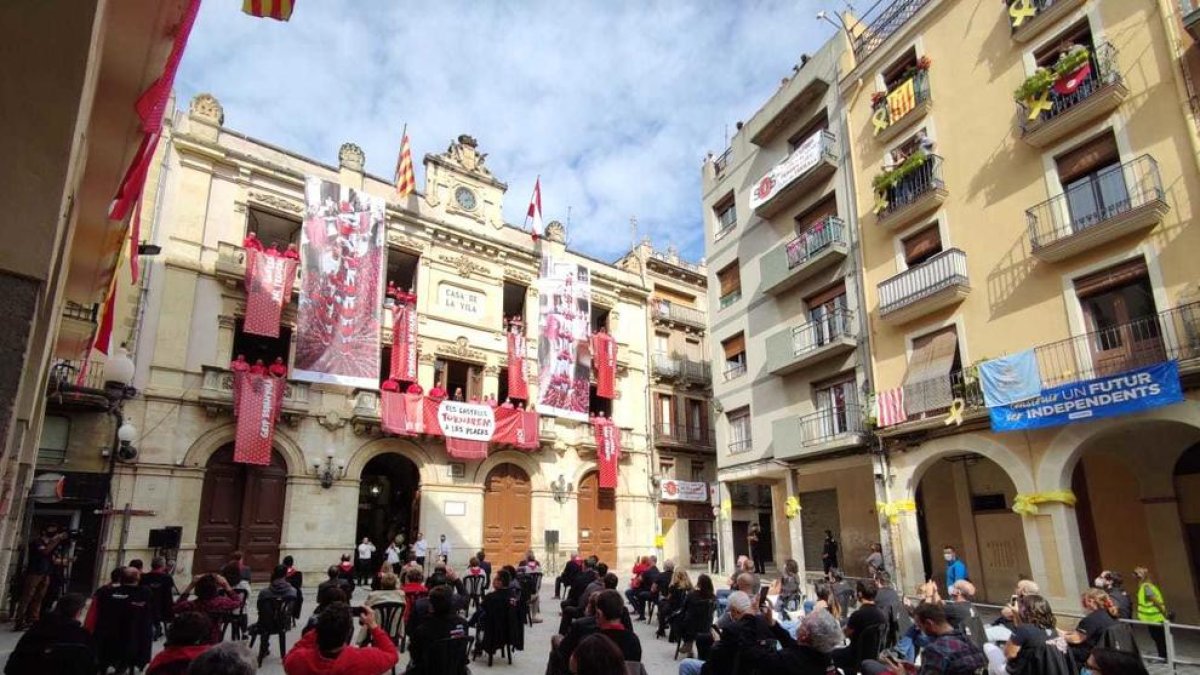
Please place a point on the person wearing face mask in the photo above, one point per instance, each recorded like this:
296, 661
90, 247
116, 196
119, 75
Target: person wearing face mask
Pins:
948, 651
955, 568
1152, 609
1113, 584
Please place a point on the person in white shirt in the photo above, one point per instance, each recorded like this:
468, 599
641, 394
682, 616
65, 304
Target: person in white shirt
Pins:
392, 557
366, 551
421, 549
444, 550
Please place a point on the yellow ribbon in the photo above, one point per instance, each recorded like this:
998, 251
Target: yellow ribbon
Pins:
791, 508
1021, 10
892, 510
726, 507
659, 541
1026, 504
881, 202
955, 416
881, 119
1038, 104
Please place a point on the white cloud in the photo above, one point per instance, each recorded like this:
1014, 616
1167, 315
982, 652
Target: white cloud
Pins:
614, 104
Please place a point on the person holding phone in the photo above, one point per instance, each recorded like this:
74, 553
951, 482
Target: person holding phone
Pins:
866, 617
326, 651
948, 652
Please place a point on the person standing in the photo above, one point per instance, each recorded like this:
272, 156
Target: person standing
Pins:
829, 552
874, 560
421, 549
956, 570
362, 562
753, 539
444, 549
392, 557
1152, 609
38, 567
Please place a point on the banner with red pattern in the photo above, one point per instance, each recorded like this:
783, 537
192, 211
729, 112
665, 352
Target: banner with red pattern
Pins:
258, 405
404, 341
518, 388
516, 427
468, 428
341, 289
270, 276
608, 450
564, 358
402, 414
604, 362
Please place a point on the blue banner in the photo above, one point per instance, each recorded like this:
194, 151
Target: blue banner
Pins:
1120, 394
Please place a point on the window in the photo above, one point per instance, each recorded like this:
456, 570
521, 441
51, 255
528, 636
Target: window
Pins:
697, 421
699, 472
729, 279
502, 388
902, 69
257, 347
459, 376
739, 430
664, 415
823, 209
726, 213
1118, 304
52, 448
1093, 181
666, 468
662, 344
1079, 34
402, 270
921, 245
735, 356
600, 318
385, 363
514, 300
928, 384
827, 314
599, 404
691, 349
271, 229
837, 400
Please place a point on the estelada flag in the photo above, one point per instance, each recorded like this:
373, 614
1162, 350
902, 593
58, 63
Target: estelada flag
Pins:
404, 342
608, 450
269, 282
259, 403
280, 10
604, 361
518, 388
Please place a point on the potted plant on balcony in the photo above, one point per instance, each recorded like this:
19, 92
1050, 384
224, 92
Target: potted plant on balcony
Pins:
890, 176
1068, 72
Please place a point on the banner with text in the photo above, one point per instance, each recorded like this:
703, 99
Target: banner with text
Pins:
467, 427
258, 405
270, 277
683, 491
404, 341
1119, 394
518, 388
604, 359
800, 161
608, 450
564, 358
341, 290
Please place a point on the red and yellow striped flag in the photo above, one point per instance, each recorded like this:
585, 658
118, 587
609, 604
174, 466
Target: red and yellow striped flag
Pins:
406, 181
280, 10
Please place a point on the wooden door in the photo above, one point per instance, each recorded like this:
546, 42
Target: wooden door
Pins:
597, 520
241, 508
507, 508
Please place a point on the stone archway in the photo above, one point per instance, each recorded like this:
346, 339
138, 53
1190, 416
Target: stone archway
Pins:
389, 497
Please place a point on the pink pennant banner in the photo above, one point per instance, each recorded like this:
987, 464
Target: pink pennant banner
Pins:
270, 277
608, 450
518, 387
258, 403
404, 342
604, 360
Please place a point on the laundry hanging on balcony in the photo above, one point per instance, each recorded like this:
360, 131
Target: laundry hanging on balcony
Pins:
259, 397
270, 276
1010, 379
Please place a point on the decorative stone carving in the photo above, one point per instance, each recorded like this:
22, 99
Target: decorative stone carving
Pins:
491, 370
556, 232
466, 267
426, 357
351, 157
274, 202
332, 420
461, 350
206, 107
465, 153
404, 241
517, 276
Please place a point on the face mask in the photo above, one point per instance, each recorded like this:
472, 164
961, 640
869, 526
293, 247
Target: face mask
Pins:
1087, 671
1099, 582
948, 557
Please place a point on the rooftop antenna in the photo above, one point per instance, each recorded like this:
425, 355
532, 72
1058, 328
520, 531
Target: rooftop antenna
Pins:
633, 232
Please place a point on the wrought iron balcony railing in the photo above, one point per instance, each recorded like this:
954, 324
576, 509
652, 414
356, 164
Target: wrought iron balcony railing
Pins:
739, 446
882, 24
815, 334
734, 370
825, 233
670, 366
830, 423
684, 434
943, 270
918, 183
85, 313
1104, 72
671, 311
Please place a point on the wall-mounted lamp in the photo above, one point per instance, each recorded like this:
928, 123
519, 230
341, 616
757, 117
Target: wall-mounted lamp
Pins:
148, 249
126, 435
562, 489
327, 471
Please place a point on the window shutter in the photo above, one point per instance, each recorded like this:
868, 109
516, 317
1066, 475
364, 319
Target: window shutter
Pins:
805, 221
1108, 279
734, 346
729, 280
922, 244
827, 295
1087, 158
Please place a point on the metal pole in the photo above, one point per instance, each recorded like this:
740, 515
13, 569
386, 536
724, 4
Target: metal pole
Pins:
125, 513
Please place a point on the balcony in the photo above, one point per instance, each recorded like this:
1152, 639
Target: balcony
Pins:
733, 370
812, 162
1119, 201
883, 24
1046, 13
918, 192
1173, 334
671, 367
739, 446
822, 246
231, 265
828, 430
721, 163
806, 345
77, 327
78, 385
895, 112
683, 436
666, 311
1100, 93
791, 104
216, 394
936, 283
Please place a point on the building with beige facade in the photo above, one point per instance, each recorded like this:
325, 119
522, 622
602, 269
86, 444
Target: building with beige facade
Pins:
334, 476
1059, 219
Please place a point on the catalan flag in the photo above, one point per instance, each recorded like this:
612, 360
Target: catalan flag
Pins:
406, 182
280, 10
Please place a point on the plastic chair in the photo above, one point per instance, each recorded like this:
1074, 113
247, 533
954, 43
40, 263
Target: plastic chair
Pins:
870, 643
448, 656
710, 612
390, 617
274, 618
474, 585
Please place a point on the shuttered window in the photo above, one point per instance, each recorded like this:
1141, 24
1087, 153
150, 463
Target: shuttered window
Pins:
820, 211
729, 280
827, 296
922, 245
927, 384
1088, 158
1111, 278
734, 346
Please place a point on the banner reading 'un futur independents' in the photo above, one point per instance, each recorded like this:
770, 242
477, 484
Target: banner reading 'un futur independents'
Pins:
564, 356
341, 291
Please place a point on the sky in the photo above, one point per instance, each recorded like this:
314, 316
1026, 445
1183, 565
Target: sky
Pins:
614, 104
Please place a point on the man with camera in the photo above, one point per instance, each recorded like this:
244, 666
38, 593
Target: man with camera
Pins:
38, 567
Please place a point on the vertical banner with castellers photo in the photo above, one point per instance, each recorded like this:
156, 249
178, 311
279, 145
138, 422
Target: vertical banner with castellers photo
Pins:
564, 357
341, 290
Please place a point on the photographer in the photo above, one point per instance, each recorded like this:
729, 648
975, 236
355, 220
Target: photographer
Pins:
38, 566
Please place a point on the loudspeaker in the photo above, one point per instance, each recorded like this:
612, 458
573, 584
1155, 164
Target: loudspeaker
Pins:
551, 537
167, 537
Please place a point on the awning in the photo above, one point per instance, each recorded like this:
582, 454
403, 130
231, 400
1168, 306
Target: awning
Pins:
927, 382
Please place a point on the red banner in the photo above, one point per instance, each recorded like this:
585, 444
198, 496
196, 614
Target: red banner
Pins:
465, 426
608, 450
259, 401
402, 414
404, 342
604, 360
518, 388
516, 427
269, 281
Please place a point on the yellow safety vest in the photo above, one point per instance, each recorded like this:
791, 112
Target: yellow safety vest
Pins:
1146, 610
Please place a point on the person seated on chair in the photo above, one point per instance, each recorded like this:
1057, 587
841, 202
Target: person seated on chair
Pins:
442, 622
567, 577
387, 593
335, 579
867, 616
947, 651
279, 588
326, 650
296, 578
226, 658
123, 622
188, 636
1104, 660
639, 586
598, 655
209, 600
655, 588
570, 612
1101, 613
696, 616
744, 630
346, 571
58, 629
581, 581
1034, 634
609, 610
325, 597
673, 598
817, 635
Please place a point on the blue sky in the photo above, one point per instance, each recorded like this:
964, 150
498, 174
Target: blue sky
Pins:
614, 104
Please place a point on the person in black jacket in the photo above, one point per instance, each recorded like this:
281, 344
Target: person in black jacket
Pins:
745, 630
673, 596
123, 622
570, 570
817, 636
57, 643
442, 622
696, 617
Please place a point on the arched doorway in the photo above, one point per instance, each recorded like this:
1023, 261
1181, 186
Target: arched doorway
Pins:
597, 520
241, 509
507, 508
965, 501
389, 500
1187, 491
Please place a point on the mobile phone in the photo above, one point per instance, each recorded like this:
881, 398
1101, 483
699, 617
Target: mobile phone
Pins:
358, 611
762, 595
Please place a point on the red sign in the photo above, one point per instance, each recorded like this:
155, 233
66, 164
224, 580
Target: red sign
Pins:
404, 342
608, 450
259, 401
604, 360
269, 281
518, 388
467, 427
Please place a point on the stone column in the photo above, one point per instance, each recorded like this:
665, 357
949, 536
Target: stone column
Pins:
725, 527
795, 525
1055, 553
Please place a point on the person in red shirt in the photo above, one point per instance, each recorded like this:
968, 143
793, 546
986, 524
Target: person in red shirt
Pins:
437, 393
292, 252
258, 368
415, 388
208, 599
278, 369
390, 385
325, 651
252, 242
189, 636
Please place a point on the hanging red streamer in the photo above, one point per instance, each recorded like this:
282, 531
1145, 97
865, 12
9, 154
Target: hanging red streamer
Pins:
604, 361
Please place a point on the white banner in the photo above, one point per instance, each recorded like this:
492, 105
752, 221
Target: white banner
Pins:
683, 491
468, 421
803, 158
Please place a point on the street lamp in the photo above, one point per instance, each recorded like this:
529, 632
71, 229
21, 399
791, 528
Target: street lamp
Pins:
126, 435
561, 489
328, 471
